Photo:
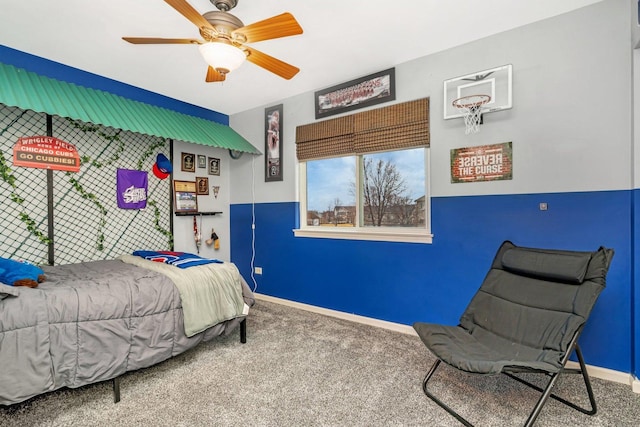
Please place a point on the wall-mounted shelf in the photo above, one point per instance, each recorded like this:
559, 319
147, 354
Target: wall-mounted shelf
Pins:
196, 213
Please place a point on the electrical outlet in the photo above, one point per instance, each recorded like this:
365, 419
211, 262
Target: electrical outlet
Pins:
258, 270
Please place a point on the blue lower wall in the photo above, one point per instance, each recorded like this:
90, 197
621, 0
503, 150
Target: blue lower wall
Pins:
406, 282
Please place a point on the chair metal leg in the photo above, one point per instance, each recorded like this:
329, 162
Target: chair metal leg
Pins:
546, 392
543, 399
587, 383
438, 401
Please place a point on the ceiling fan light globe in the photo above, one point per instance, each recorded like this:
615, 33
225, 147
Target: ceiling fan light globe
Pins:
223, 57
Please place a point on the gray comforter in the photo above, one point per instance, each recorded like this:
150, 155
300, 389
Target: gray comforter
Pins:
91, 322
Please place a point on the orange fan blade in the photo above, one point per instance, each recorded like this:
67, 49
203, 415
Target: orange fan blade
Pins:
271, 28
190, 13
155, 40
214, 76
269, 63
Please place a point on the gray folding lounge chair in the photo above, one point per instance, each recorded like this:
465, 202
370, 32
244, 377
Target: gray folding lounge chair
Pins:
526, 317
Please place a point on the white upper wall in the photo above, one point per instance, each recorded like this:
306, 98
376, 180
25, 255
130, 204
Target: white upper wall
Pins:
184, 238
571, 121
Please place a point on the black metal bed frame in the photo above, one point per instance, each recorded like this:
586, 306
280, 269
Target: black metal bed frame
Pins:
116, 381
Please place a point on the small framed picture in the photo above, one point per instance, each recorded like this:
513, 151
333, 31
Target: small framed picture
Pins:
188, 162
185, 196
202, 161
214, 166
202, 185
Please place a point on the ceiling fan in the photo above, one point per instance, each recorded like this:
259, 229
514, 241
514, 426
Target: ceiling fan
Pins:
223, 47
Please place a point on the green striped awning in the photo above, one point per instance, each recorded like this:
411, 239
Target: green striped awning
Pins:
31, 91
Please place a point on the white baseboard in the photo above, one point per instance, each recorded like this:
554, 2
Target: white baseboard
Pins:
594, 371
405, 329
610, 375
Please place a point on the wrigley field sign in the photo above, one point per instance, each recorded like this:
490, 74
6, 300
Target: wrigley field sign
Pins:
46, 152
482, 163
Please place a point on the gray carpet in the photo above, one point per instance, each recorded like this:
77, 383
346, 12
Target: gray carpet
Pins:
305, 369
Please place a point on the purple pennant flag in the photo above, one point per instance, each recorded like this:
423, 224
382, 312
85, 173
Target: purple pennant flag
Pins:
132, 189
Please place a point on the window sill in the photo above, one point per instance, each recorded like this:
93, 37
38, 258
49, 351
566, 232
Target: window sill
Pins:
383, 235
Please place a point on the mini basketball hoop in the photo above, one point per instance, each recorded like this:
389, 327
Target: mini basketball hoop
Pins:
471, 108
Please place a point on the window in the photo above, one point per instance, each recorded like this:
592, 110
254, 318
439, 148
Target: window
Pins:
380, 193
331, 196
392, 189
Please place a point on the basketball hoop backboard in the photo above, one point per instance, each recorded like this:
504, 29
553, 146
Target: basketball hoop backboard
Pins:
495, 82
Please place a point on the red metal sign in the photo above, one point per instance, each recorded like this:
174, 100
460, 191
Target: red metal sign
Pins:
46, 152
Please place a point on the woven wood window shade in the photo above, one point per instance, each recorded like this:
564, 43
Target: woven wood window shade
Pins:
398, 126
329, 138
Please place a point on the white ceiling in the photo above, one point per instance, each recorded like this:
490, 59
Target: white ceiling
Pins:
342, 40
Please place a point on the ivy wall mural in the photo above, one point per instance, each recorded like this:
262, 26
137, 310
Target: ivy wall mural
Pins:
68, 217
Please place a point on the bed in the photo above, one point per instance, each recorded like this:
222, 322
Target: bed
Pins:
94, 321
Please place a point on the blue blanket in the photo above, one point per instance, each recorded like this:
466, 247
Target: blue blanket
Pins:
177, 259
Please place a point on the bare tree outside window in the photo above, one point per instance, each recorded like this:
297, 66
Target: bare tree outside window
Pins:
407, 211
386, 198
383, 191
390, 194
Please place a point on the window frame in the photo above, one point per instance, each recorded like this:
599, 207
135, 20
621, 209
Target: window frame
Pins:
386, 234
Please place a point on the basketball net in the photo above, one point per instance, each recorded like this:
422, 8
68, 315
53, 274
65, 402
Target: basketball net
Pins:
471, 109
